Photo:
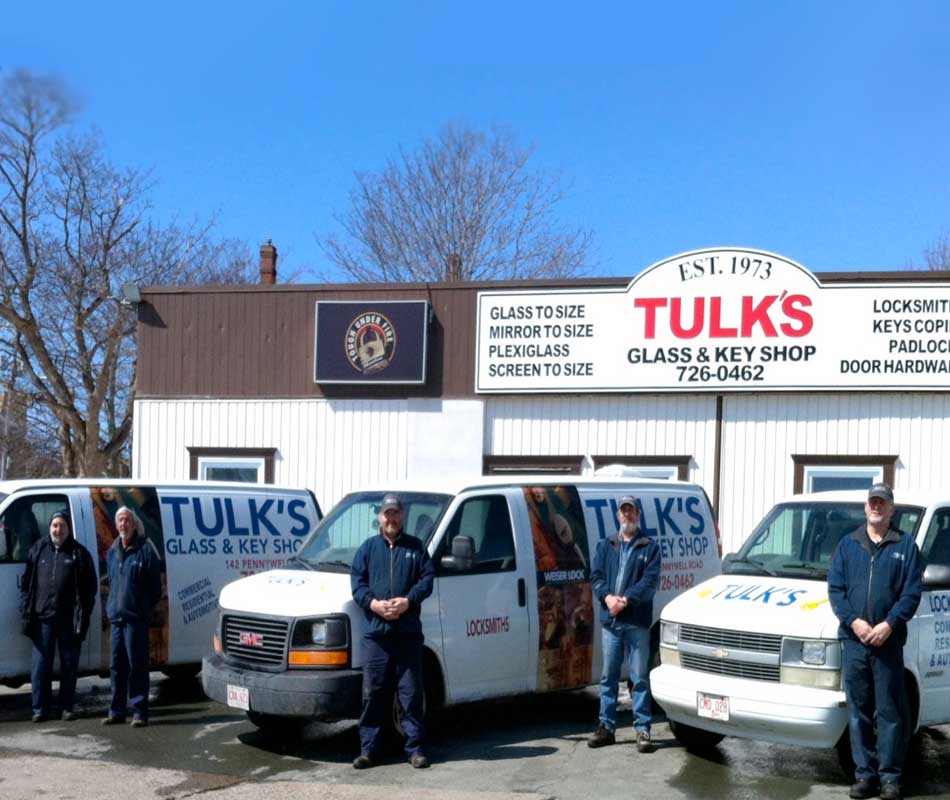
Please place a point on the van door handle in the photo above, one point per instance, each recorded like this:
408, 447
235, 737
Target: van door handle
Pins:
522, 593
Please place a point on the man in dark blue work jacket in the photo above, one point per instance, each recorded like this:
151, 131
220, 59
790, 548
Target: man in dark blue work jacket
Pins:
391, 576
624, 578
874, 589
135, 586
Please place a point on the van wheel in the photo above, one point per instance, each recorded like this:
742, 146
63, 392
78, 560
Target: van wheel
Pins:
695, 739
276, 726
845, 759
433, 695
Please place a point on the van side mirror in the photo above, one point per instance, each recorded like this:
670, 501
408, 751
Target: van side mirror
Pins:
937, 576
463, 554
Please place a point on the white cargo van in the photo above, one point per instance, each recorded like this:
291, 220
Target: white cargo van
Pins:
207, 534
512, 610
754, 653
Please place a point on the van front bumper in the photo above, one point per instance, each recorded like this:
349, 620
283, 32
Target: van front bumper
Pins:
774, 712
325, 695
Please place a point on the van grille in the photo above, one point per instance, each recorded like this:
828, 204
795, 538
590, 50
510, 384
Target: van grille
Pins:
255, 640
735, 640
735, 669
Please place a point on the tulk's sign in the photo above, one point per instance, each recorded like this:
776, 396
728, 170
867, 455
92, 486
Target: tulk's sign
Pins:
717, 320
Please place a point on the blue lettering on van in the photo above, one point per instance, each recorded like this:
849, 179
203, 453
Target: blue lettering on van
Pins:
266, 517
756, 593
663, 514
233, 528
597, 505
259, 517
176, 503
693, 510
203, 527
940, 603
295, 510
659, 523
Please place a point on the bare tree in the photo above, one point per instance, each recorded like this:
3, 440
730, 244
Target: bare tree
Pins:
937, 253
73, 229
465, 206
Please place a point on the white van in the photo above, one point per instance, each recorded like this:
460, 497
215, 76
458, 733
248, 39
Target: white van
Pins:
754, 653
512, 610
207, 534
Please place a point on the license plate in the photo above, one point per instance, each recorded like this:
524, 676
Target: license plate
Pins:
712, 706
239, 697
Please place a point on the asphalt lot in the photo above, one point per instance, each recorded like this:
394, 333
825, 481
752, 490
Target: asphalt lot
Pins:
524, 748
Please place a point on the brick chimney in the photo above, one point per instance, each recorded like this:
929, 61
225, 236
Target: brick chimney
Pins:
268, 263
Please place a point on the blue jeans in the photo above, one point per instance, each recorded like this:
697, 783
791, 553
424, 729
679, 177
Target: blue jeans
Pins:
392, 663
128, 643
48, 636
874, 684
631, 644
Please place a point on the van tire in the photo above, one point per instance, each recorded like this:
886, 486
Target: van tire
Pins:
695, 740
845, 759
433, 695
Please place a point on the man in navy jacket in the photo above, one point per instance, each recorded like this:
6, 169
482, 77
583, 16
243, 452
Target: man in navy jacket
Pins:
624, 578
874, 589
135, 587
391, 576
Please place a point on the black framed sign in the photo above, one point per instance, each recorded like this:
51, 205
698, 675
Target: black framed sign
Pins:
370, 342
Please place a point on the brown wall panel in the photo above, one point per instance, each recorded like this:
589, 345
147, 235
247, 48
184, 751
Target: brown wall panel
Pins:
256, 341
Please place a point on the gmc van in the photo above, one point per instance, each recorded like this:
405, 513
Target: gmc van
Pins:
754, 653
511, 612
207, 534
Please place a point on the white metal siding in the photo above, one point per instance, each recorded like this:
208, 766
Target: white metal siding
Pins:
644, 425
761, 433
328, 446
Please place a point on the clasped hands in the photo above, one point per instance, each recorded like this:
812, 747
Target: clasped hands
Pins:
874, 636
390, 609
615, 603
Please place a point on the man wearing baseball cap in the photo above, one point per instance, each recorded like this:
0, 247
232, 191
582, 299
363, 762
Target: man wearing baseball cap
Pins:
624, 578
390, 577
57, 595
874, 589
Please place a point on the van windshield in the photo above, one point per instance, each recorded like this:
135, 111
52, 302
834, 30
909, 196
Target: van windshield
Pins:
353, 520
796, 540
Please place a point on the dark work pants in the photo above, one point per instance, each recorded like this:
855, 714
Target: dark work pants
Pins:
48, 636
392, 663
129, 649
874, 685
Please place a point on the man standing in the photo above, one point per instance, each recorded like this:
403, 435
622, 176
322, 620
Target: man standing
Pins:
390, 577
624, 579
135, 586
874, 589
57, 594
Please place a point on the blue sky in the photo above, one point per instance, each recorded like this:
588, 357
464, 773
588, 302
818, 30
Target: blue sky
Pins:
818, 130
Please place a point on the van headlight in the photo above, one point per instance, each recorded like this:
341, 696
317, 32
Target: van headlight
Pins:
670, 633
811, 662
814, 653
328, 632
320, 642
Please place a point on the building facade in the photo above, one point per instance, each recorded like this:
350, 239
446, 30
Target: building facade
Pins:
754, 386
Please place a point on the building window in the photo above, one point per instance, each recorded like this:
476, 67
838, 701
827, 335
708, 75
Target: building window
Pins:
532, 465
242, 464
665, 467
829, 473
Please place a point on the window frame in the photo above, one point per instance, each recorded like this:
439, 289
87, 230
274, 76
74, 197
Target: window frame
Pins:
442, 549
261, 457
41, 530
885, 463
532, 465
677, 465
